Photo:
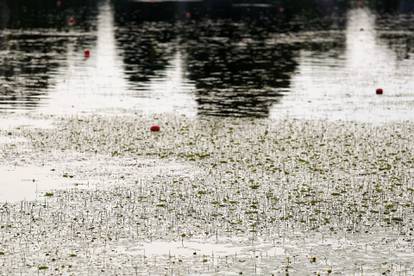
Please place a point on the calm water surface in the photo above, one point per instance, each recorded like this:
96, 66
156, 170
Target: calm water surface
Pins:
322, 59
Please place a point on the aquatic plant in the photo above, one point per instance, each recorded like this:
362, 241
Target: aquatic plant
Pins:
315, 190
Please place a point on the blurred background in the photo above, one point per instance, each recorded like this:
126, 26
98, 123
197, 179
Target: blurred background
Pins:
268, 58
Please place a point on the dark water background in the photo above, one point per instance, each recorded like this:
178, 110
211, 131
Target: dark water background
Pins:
295, 58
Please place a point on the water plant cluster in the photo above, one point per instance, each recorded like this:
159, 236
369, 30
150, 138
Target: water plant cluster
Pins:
332, 196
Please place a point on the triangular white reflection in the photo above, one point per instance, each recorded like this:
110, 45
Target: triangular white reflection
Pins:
93, 84
341, 85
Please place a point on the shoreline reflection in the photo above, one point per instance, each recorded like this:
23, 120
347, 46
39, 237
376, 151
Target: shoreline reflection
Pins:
312, 59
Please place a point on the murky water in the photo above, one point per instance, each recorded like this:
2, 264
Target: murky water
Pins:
322, 60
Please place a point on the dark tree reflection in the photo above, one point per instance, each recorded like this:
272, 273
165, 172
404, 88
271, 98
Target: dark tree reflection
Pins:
34, 36
395, 26
146, 45
237, 73
233, 49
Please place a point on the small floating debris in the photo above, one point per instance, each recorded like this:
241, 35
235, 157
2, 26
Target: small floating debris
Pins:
379, 91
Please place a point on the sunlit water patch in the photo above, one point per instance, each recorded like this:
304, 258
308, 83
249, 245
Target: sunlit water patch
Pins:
11, 140
27, 183
22, 121
206, 247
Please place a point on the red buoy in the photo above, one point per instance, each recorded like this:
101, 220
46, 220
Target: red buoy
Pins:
379, 91
71, 21
86, 53
155, 128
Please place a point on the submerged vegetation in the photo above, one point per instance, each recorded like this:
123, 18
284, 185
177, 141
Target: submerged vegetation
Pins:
294, 196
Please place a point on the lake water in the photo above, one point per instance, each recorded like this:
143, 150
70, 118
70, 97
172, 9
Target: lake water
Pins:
82, 194
322, 59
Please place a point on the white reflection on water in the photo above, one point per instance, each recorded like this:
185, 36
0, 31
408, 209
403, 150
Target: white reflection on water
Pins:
207, 247
90, 84
172, 92
332, 85
336, 83
26, 183
99, 83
